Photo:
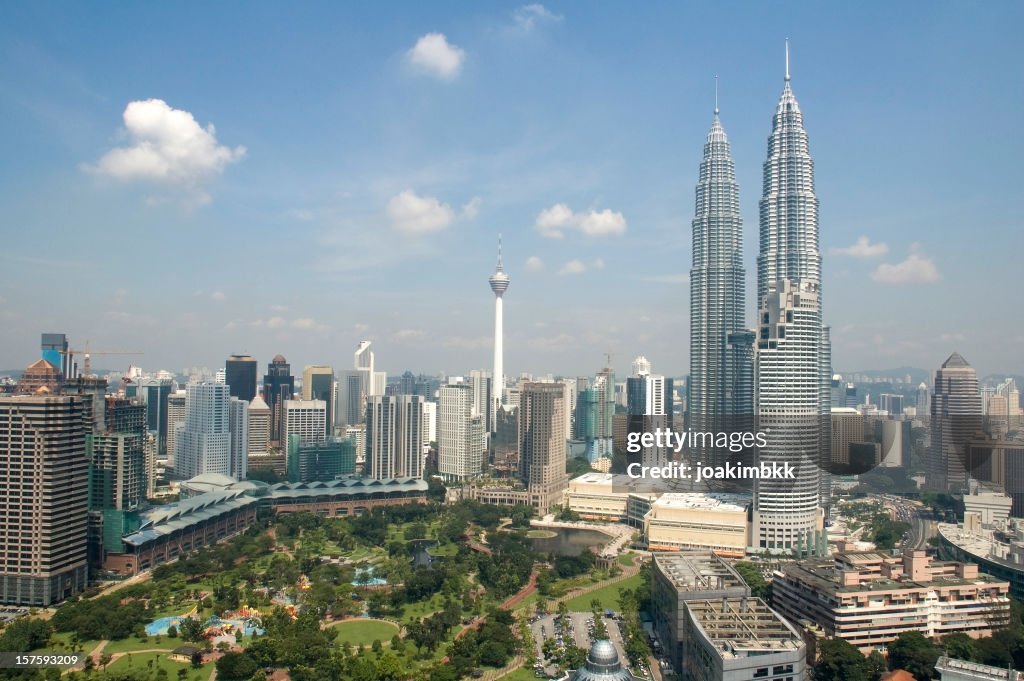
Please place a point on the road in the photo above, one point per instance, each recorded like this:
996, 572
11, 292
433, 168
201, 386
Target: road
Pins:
922, 527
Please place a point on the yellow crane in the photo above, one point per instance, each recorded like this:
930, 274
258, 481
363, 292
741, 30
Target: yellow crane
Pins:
87, 354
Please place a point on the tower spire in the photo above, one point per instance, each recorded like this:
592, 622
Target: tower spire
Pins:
716, 94
499, 251
787, 60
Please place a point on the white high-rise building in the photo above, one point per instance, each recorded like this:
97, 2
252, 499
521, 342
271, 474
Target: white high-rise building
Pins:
793, 363
499, 284
238, 426
259, 427
641, 366
483, 401
460, 434
175, 415
429, 422
394, 437
203, 442
305, 418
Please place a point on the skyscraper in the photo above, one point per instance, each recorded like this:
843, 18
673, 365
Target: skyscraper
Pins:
155, 392
203, 445
460, 433
278, 386
238, 427
373, 382
720, 387
648, 407
542, 439
175, 415
483, 401
792, 360
259, 427
499, 284
240, 375
305, 418
318, 384
956, 417
394, 437
351, 409
44, 506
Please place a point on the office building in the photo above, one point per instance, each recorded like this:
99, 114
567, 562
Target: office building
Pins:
869, 599
689, 521
54, 349
240, 376
351, 408
203, 443
117, 470
318, 384
483, 402
890, 403
278, 386
238, 426
394, 437
44, 475
1000, 462
499, 282
461, 446
542, 440
720, 397
793, 363
259, 427
320, 461
305, 418
952, 669
155, 393
847, 428
175, 415
429, 422
956, 418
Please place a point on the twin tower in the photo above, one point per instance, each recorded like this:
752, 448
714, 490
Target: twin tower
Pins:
773, 377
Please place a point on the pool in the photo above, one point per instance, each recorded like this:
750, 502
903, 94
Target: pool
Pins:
160, 626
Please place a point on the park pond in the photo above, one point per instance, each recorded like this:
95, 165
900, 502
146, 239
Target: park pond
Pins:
568, 541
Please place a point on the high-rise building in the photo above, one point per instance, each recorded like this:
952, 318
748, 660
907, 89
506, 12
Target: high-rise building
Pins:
893, 404
54, 347
460, 433
429, 422
720, 388
394, 438
278, 386
155, 392
351, 408
648, 408
240, 375
483, 400
924, 400
542, 439
119, 472
318, 384
956, 418
499, 284
259, 427
847, 428
238, 426
324, 460
44, 475
175, 415
305, 418
793, 372
203, 443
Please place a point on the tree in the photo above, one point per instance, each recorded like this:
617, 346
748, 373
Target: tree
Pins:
876, 665
197, 659
752, 575
236, 666
839, 660
912, 652
192, 630
172, 631
961, 646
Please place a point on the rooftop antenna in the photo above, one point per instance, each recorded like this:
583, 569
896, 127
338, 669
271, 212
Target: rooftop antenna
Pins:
787, 60
716, 94
499, 250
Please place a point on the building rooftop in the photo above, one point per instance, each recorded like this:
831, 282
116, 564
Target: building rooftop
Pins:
710, 501
742, 627
978, 671
698, 572
826, 576
165, 520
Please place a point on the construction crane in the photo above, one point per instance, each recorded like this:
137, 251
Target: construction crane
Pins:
87, 354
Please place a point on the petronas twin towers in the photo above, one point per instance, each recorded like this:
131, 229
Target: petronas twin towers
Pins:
773, 378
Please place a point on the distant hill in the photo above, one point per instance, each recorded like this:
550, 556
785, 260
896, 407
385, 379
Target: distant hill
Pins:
916, 375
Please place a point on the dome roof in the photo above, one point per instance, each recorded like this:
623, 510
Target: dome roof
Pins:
279, 359
603, 664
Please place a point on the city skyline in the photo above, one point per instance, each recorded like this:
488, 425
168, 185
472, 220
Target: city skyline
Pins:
397, 176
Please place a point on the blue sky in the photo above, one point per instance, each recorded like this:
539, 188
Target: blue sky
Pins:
364, 158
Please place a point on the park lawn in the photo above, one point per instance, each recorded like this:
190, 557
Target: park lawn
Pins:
521, 674
417, 611
62, 641
139, 661
444, 550
626, 559
131, 644
608, 595
365, 632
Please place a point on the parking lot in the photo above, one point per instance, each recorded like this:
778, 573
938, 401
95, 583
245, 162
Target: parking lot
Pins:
579, 633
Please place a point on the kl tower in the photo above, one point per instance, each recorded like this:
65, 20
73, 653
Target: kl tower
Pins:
499, 283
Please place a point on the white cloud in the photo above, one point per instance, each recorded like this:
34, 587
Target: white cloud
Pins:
463, 343
434, 55
167, 147
303, 323
408, 335
275, 322
530, 16
952, 338
472, 209
534, 264
414, 214
361, 328
863, 248
562, 341
573, 267
598, 264
552, 222
278, 308
218, 296
916, 269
